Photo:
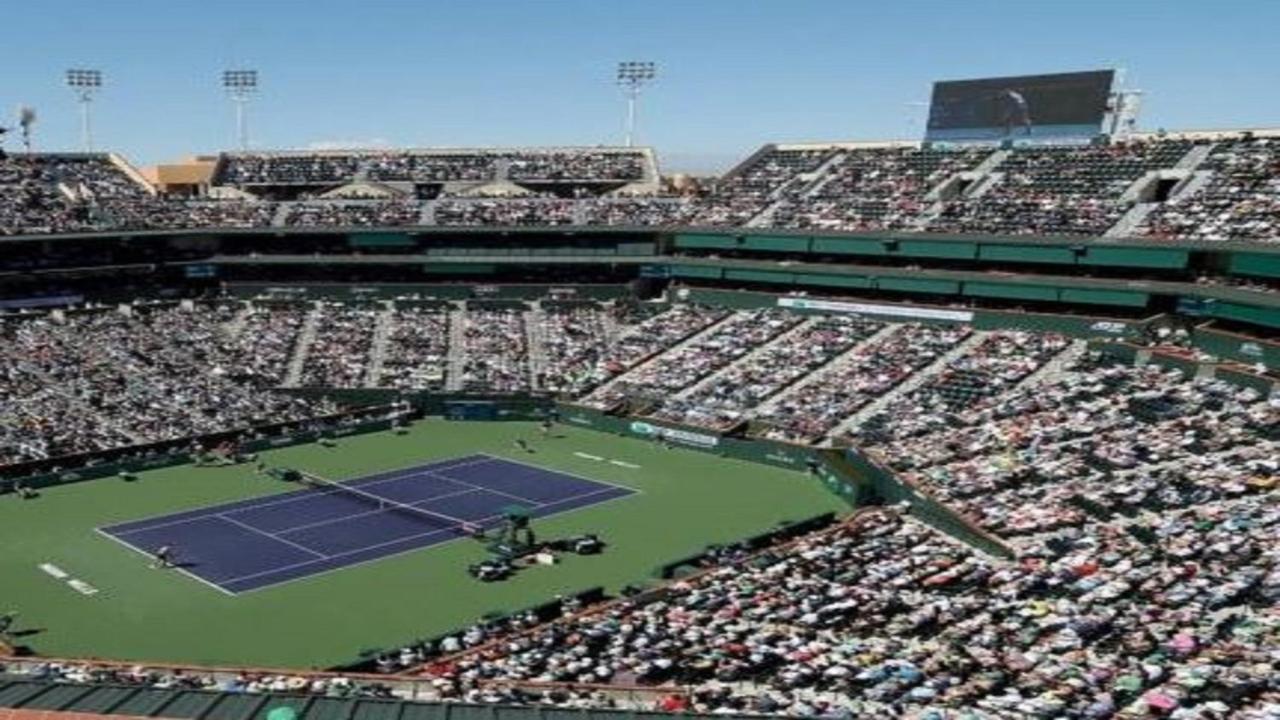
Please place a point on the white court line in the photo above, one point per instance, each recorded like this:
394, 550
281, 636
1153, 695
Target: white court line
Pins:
562, 472
291, 496
184, 571
395, 554
343, 554
55, 571
619, 463
513, 496
283, 531
266, 534
589, 457
486, 458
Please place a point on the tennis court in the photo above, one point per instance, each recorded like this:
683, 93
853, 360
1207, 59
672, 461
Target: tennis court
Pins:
252, 544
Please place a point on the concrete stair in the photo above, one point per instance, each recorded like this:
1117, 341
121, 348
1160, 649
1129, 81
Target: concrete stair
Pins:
1053, 369
378, 353
301, 348
282, 213
990, 162
1194, 157
457, 350
428, 215
785, 337
534, 336
1192, 184
1128, 223
983, 185
840, 361
917, 379
235, 325
622, 377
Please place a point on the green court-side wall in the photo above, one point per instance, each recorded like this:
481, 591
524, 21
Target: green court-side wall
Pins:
447, 291
1080, 326
1240, 348
1066, 251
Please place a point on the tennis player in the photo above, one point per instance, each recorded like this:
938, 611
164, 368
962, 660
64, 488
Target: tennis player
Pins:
163, 557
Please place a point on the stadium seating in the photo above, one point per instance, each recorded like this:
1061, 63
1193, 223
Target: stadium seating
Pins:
1240, 202
1140, 502
1072, 190
874, 189
100, 380
497, 351
883, 617
1059, 190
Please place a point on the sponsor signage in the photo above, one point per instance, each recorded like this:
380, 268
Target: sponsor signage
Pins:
781, 457
873, 309
684, 437
1114, 328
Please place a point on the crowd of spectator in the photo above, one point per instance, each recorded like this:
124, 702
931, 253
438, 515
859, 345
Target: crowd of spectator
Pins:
746, 192
341, 350
681, 367
1241, 201
417, 349
431, 168
159, 214
59, 194
263, 339
874, 189
1059, 190
331, 168
729, 396
883, 617
103, 379
508, 211
1103, 439
177, 679
638, 211
574, 338
640, 338
588, 166
1033, 190
972, 380
815, 408
496, 350
387, 213
294, 169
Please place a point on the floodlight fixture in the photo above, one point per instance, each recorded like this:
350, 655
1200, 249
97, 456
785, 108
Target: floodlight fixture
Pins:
85, 83
241, 85
633, 75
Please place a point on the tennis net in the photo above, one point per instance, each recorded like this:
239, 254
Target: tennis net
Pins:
427, 517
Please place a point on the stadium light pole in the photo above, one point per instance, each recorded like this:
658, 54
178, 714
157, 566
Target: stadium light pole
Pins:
85, 83
240, 86
632, 76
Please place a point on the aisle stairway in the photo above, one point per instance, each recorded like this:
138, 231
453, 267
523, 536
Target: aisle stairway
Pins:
301, 347
841, 361
457, 350
657, 357
745, 359
378, 353
533, 333
905, 387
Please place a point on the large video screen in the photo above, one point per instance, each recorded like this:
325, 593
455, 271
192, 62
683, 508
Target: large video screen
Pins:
1028, 106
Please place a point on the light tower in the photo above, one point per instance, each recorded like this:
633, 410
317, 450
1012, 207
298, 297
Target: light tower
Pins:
85, 83
632, 76
240, 86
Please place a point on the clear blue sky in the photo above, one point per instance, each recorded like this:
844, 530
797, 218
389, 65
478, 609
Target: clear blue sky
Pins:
733, 73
